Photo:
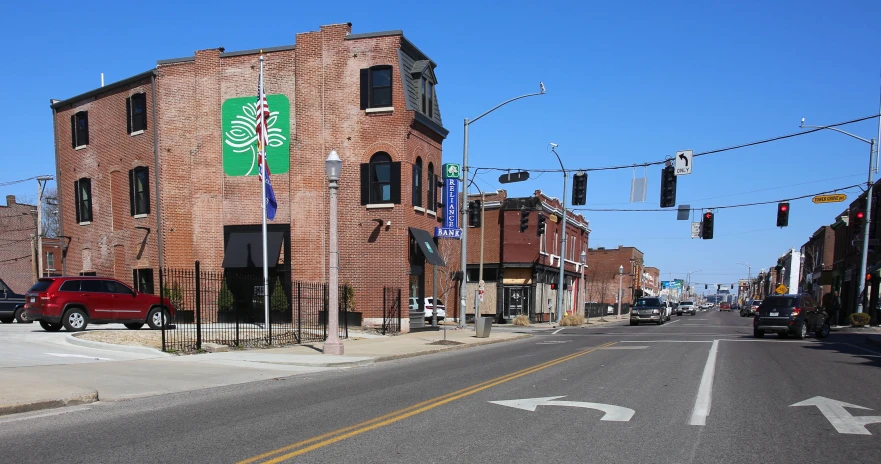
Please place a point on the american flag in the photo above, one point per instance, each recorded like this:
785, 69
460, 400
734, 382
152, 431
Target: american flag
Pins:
262, 143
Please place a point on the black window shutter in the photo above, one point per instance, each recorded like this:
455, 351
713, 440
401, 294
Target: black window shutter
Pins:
128, 116
131, 191
396, 183
73, 130
76, 199
365, 85
365, 183
85, 130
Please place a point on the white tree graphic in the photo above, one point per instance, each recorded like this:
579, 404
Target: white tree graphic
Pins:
243, 135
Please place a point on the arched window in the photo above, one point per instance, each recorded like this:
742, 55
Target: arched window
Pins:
381, 180
417, 182
431, 205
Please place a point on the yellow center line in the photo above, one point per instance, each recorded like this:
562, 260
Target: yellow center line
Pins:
395, 416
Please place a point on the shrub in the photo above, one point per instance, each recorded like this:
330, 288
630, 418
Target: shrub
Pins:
572, 320
522, 320
278, 301
175, 295
347, 295
859, 319
224, 298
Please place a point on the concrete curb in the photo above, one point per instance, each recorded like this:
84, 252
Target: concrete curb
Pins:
74, 340
359, 363
87, 397
449, 348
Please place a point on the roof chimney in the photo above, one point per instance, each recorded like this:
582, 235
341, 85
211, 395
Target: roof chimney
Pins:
10, 200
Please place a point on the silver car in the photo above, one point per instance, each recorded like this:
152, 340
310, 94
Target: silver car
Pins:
686, 307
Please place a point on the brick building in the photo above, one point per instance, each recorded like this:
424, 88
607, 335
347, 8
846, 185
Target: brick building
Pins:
18, 223
819, 258
521, 269
651, 280
158, 170
602, 274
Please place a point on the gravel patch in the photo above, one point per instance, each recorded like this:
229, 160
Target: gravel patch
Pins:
148, 338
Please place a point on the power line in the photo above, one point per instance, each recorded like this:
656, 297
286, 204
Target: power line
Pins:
13, 182
710, 152
15, 259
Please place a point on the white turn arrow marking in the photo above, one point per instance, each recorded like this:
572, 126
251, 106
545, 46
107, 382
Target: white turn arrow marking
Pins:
839, 417
613, 413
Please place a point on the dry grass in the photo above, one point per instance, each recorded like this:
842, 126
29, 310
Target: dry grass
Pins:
860, 319
522, 320
572, 320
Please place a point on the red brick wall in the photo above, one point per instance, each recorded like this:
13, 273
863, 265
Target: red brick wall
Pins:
602, 273
17, 225
111, 153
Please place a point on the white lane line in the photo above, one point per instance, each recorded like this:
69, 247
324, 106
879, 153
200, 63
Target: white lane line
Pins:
66, 355
705, 391
678, 320
557, 331
666, 341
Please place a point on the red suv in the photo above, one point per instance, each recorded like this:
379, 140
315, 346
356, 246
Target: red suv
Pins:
74, 302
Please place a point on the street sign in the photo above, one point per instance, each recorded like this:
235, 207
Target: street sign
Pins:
480, 295
858, 242
450, 227
452, 171
481, 285
836, 198
843, 421
513, 177
612, 412
695, 230
683, 162
781, 289
683, 212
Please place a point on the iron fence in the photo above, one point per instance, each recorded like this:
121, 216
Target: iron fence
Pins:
227, 308
391, 310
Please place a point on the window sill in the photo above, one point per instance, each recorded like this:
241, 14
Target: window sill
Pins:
80, 147
137, 133
85, 223
431, 213
380, 206
140, 216
384, 109
419, 209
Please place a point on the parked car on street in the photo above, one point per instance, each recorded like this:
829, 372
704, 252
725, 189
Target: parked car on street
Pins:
750, 308
686, 307
75, 302
11, 305
724, 306
649, 310
795, 314
429, 308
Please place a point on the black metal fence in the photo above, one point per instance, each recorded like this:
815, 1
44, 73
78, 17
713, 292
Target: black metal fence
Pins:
391, 310
227, 308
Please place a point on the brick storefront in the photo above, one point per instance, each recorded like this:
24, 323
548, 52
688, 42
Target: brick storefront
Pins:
196, 205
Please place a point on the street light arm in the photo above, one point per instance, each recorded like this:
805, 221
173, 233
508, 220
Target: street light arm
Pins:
803, 126
559, 161
505, 103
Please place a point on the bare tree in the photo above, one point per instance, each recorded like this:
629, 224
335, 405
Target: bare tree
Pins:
50, 212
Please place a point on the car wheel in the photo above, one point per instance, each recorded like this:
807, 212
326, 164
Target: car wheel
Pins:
758, 333
50, 327
21, 316
824, 331
802, 331
134, 325
75, 320
7, 320
155, 318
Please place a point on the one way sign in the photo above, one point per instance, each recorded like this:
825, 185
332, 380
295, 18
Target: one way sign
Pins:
683, 162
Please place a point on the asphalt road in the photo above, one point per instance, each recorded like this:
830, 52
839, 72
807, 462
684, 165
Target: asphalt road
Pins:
698, 390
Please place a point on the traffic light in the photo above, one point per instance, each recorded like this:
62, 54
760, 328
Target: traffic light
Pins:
783, 214
474, 213
705, 286
707, 225
540, 227
579, 188
524, 219
668, 187
859, 216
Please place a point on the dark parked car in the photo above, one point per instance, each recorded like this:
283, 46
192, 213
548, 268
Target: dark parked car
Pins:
11, 305
74, 302
750, 308
649, 310
796, 314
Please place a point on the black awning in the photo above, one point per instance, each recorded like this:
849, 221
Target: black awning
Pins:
245, 249
428, 247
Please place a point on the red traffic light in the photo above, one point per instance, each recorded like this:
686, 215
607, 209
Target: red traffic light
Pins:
860, 214
784, 207
708, 215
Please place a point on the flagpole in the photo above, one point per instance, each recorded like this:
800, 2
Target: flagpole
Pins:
263, 200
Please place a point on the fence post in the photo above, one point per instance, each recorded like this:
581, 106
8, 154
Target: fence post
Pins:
236, 309
346, 309
198, 307
325, 303
162, 305
299, 314
399, 310
269, 315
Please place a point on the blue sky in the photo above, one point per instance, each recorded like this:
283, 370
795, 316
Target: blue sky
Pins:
628, 82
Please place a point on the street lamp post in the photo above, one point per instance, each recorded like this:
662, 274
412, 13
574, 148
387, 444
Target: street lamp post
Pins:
748, 277
620, 281
867, 222
333, 345
464, 252
562, 259
584, 303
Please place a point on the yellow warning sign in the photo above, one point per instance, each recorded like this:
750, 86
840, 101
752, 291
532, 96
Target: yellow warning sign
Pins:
836, 198
781, 289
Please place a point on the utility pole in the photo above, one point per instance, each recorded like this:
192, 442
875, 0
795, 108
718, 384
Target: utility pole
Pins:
41, 184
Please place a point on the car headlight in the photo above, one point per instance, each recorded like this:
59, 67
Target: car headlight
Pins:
656, 311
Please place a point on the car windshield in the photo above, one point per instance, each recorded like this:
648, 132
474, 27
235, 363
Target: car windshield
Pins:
41, 285
779, 302
648, 302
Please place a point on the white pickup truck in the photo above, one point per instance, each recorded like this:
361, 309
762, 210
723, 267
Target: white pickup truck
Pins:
686, 307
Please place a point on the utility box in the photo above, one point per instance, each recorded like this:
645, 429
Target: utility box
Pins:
483, 325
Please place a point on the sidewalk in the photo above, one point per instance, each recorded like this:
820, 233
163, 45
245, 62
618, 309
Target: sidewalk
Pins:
872, 334
33, 388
